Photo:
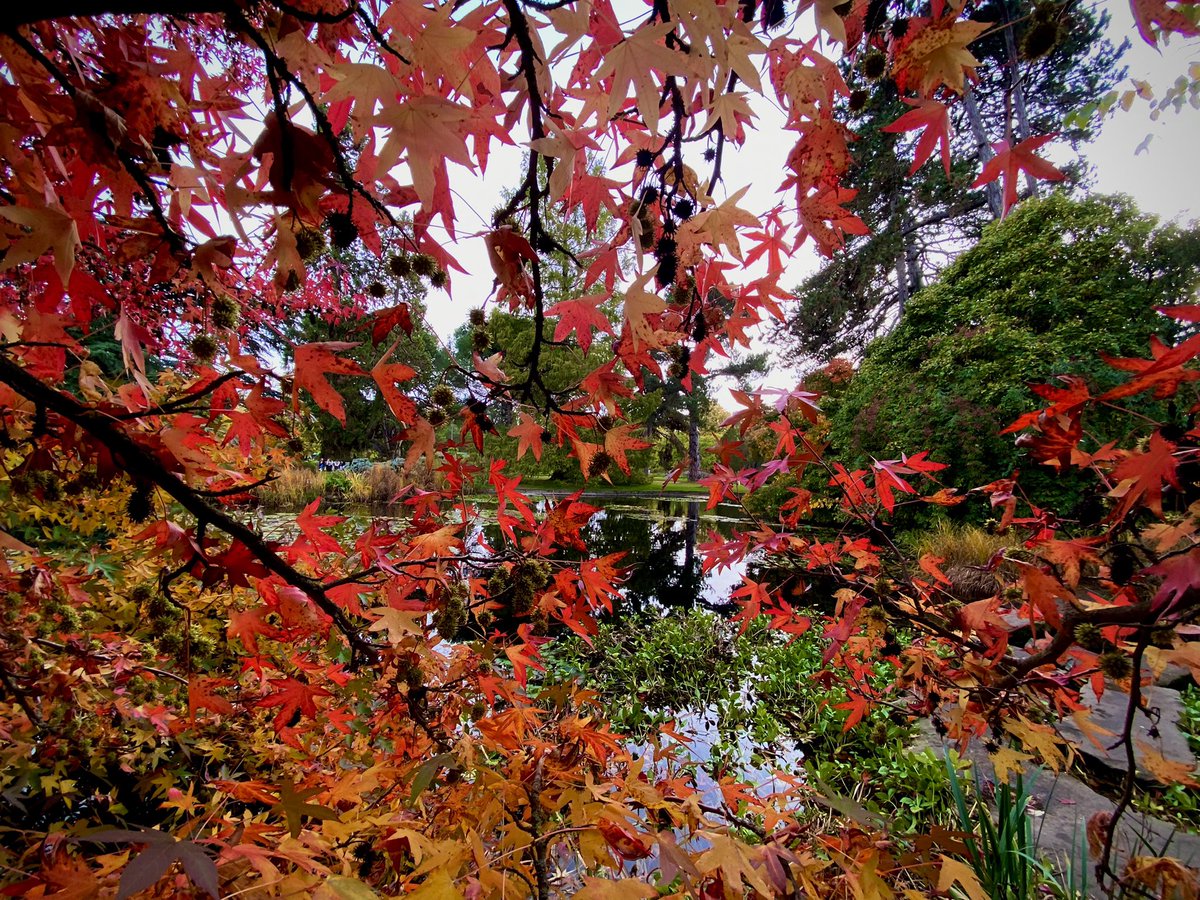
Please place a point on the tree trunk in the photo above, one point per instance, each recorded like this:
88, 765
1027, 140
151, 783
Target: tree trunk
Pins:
1016, 92
693, 440
992, 190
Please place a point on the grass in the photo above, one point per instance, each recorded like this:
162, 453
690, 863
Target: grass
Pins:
961, 545
1002, 853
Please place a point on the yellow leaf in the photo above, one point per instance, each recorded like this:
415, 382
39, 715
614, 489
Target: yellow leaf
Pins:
1168, 771
339, 887
640, 303
437, 886
955, 872
620, 889
938, 55
46, 229
634, 61
1043, 740
1006, 760
716, 227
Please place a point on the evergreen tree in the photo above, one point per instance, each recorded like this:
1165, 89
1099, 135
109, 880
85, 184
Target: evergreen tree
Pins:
1042, 62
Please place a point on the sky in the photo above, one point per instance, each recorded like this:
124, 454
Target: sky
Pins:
1163, 177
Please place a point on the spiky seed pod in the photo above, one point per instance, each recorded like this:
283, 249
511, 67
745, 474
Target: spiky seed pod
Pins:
599, 464
677, 370
1124, 563
450, 616
51, 486
203, 347
377, 289
650, 195
478, 711
477, 317
646, 238
142, 593
1163, 638
400, 265
1115, 665
683, 210
1040, 39
875, 613
1088, 636
435, 416
295, 445
225, 312
699, 329
443, 396
874, 65
668, 268
858, 99
424, 265
170, 643
900, 28
342, 230
665, 248
310, 243
139, 507
439, 279
546, 435
605, 422
480, 340
644, 159
158, 609
1046, 12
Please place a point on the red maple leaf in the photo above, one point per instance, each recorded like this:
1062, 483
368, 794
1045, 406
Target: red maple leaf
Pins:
530, 432
387, 319
932, 116
310, 526
1141, 476
1009, 162
313, 363
581, 316
1148, 13
618, 440
294, 698
1163, 372
823, 217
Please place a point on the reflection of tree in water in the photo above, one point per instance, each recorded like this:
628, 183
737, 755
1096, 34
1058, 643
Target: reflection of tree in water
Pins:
659, 539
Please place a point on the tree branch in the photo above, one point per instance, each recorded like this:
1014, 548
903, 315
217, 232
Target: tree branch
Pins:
136, 458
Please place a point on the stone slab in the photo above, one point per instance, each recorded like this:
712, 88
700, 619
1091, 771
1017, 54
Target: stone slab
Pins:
1158, 730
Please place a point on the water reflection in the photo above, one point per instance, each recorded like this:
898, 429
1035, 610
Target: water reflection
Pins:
659, 537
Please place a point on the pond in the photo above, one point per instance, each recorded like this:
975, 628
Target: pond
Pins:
659, 535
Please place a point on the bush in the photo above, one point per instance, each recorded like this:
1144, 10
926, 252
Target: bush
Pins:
293, 488
377, 486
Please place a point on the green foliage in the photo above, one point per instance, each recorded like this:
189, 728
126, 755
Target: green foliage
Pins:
1001, 853
915, 220
765, 699
1040, 295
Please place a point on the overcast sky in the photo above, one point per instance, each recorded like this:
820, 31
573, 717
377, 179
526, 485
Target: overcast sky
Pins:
1163, 178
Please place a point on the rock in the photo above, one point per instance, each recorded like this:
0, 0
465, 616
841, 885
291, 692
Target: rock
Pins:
1159, 731
1061, 806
